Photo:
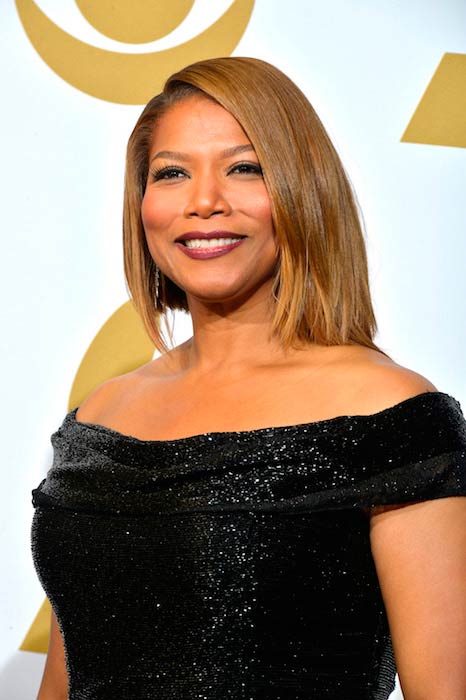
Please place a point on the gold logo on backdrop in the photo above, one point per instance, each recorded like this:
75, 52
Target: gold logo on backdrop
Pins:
440, 117
134, 22
129, 78
120, 346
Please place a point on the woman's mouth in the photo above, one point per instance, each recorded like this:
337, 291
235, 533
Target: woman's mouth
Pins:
209, 242
202, 248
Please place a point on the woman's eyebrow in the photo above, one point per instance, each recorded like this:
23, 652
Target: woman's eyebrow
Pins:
235, 150
227, 153
174, 155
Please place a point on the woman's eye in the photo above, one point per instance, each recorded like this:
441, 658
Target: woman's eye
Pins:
247, 169
167, 173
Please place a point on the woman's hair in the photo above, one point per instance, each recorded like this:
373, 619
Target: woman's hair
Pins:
321, 288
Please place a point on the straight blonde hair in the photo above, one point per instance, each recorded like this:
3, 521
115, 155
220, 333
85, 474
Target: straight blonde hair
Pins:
321, 288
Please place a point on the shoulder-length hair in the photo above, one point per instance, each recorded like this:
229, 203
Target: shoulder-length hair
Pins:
321, 288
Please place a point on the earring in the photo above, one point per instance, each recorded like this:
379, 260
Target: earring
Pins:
157, 278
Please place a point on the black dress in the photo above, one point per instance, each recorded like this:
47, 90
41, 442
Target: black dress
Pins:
234, 565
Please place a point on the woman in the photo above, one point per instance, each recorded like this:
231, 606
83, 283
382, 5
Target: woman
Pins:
274, 508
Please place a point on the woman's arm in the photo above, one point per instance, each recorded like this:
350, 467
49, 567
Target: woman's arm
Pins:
420, 556
54, 685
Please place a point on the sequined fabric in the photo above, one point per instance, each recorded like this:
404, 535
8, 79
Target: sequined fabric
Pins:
234, 565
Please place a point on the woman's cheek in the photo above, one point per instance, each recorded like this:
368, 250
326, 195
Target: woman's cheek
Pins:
147, 213
157, 213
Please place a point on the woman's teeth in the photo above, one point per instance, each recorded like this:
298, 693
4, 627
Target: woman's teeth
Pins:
209, 242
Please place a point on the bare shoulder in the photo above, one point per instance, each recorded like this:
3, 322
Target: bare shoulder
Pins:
378, 382
109, 397
97, 404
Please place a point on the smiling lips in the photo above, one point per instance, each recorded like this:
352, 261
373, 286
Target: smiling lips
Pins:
201, 245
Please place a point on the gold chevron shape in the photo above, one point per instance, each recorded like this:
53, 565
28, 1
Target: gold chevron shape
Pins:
440, 117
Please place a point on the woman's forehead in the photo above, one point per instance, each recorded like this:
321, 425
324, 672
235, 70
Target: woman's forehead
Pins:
196, 120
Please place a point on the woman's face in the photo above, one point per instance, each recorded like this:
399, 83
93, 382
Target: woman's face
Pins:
206, 211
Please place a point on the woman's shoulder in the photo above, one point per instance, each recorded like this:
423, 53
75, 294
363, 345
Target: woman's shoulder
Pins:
375, 382
102, 402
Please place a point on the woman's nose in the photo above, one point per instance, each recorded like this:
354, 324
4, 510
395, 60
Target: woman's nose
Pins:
207, 197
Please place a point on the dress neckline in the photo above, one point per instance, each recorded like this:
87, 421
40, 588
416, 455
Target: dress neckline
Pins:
325, 423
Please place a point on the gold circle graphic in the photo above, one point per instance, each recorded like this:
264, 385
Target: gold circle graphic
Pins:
121, 77
134, 22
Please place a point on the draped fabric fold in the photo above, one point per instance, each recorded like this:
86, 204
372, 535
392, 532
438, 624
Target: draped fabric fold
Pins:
414, 450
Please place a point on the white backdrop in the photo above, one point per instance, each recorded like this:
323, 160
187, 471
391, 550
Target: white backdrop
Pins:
364, 66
